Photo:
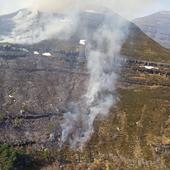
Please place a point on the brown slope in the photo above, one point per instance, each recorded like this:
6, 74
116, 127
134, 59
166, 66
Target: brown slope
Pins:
138, 45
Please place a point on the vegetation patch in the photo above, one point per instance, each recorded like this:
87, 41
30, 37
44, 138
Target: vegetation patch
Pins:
11, 158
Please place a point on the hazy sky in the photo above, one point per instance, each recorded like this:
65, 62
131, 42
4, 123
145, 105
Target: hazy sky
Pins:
7, 6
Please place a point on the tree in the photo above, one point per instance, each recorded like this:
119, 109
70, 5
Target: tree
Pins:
11, 158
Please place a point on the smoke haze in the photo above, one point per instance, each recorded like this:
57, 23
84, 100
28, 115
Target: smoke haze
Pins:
102, 65
126, 8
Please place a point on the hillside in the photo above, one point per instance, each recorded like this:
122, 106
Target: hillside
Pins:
36, 90
30, 27
156, 26
138, 45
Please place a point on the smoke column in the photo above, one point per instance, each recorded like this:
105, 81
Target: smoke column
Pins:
102, 64
126, 8
78, 125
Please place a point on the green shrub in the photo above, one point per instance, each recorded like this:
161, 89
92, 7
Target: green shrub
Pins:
17, 122
11, 158
2, 116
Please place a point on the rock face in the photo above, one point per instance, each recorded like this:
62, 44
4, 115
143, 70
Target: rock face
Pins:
156, 26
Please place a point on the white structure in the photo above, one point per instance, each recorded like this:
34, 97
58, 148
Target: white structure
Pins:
82, 42
36, 53
10, 96
151, 67
46, 54
82, 49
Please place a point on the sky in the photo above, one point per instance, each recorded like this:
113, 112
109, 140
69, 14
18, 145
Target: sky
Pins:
7, 6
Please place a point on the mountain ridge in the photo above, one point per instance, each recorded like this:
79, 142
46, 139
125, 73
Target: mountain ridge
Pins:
36, 26
156, 26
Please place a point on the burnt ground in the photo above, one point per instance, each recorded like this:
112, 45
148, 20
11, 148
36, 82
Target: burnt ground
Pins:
36, 90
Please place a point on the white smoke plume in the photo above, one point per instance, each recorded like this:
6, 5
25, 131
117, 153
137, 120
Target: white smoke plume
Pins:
25, 24
31, 26
126, 8
78, 123
102, 63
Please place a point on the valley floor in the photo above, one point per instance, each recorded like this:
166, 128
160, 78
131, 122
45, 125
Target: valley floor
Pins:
135, 135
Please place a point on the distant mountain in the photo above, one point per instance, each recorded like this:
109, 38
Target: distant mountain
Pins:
137, 44
156, 26
28, 26
32, 26
47, 30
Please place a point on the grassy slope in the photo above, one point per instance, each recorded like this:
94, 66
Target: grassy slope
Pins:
139, 45
132, 137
